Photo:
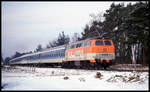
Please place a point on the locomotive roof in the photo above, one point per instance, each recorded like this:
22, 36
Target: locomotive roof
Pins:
93, 38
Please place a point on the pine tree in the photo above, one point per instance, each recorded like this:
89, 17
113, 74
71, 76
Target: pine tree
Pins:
61, 40
39, 48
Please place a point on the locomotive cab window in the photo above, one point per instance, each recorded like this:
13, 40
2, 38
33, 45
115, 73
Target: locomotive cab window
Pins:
88, 43
107, 42
99, 42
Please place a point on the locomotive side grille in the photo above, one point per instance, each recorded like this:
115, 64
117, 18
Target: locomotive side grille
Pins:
105, 56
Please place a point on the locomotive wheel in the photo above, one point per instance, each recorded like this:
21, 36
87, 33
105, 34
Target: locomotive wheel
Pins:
105, 65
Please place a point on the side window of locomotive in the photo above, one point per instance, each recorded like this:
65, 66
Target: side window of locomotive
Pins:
77, 45
90, 43
107, 42
99, 42
85, 43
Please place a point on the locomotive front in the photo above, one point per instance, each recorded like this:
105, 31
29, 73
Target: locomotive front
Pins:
104, 52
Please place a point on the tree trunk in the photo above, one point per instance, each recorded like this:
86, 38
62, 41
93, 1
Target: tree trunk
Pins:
133, 54
145, 56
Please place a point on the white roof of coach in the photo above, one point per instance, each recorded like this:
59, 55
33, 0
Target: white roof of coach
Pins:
43, 51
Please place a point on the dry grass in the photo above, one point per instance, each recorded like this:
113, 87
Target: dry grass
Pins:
135, 77
98, 75
129, 67
66, 78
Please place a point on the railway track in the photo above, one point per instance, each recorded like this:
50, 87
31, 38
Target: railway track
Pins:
112, 68
119, 70
129, 70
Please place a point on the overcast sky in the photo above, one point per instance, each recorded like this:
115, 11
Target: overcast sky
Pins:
27, 24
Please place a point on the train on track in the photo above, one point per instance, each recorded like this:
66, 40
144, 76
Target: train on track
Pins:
93, 52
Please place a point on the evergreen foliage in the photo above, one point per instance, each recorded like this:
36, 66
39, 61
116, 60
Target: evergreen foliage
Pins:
61, 40
39, 48
128, 27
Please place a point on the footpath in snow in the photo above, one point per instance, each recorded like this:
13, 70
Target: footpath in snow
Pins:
25, 78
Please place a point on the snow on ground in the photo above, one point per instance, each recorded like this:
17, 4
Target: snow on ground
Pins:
25, 78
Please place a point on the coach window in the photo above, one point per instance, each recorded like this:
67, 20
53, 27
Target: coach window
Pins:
99, 42
68, 47
59, 53
62, 53
82, 44
47, 54
74, 46
78, 45
51, 53
54, 53
107, 42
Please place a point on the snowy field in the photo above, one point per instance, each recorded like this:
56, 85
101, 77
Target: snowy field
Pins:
25, 78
